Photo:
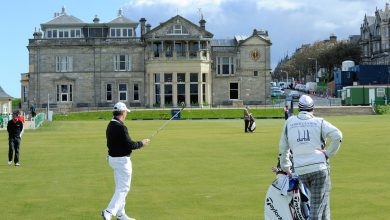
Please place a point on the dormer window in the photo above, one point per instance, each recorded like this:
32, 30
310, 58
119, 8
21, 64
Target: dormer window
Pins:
177, 29
121, 32
63, 33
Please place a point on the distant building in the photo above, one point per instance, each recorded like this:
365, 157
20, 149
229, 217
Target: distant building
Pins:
5, 102
76, 65
375, 37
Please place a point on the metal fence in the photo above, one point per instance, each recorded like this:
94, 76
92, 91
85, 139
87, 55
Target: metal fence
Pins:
4, 118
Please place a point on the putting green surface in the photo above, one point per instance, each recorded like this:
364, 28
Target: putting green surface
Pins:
193, 169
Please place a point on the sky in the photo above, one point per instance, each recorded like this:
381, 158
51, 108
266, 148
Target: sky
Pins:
290, 23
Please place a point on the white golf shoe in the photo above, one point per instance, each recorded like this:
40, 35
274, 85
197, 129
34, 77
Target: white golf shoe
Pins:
106, 215
9, 163
124, 217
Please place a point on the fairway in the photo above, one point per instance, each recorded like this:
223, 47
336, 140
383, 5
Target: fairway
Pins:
193, 169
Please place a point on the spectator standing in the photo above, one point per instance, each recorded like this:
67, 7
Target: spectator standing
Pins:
286, 112
15, 132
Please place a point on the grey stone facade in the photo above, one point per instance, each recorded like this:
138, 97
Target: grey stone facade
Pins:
375, 37
75, 65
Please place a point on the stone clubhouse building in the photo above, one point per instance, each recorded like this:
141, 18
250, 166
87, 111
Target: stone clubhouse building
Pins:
74, 65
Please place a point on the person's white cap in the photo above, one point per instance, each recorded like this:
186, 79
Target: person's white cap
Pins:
120, 107
305, 103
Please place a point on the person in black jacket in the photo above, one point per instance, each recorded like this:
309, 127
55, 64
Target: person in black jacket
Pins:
120, 147
15, 131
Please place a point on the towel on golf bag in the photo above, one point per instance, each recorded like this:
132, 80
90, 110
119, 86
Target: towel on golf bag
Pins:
293, 206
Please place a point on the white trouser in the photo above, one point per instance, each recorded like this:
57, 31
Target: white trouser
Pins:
122, 176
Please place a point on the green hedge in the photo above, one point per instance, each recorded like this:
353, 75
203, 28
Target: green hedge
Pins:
382, 109
166, 114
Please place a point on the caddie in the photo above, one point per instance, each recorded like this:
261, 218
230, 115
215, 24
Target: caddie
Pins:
305, 135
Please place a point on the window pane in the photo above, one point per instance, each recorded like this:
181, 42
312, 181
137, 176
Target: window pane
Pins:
122, 96
181, 77
66, 34
157, 89
130, 32
72, 33
54, 33
112, 32
233, 85
168, 77
118, 32
122, 87
124, 32
109, 87
225, 69
156, 77
193, 77
64, 97
233, 94
194, 88
60, 34
109, 96
64, 88
181, 89
225, 60
49, 34
78, 33
168, 89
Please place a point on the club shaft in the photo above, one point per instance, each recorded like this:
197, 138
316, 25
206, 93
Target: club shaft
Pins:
165, 124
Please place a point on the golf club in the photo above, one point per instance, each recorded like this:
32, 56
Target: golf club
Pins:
166, 123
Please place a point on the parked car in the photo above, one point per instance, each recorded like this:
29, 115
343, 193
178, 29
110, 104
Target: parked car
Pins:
277, 93
294, 94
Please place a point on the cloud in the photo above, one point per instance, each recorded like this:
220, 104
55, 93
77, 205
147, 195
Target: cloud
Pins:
283, 5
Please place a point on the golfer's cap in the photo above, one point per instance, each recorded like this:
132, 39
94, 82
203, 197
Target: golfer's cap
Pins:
16, 112
305, 103
120, 107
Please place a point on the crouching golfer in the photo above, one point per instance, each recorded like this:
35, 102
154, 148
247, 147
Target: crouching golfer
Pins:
305, 136
120, 147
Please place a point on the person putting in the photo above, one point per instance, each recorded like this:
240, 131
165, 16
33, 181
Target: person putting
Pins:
305, 135
120, 147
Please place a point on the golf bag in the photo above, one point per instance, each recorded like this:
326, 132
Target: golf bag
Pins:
252, 123
286, 198
294, 205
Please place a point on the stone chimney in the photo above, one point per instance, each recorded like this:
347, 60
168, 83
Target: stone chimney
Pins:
333, 38
142, 21
148, 27
96, 19
37, 34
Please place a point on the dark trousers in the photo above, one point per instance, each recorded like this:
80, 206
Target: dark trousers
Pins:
246, 125
13, 143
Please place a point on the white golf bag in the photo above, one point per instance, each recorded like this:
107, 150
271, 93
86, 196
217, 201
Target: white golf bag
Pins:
286, 199
252, 123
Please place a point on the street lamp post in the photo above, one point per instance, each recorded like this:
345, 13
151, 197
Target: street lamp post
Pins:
286, 75
316, 65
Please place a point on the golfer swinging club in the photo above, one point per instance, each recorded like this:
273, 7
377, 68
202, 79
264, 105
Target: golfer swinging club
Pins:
120, 147
305, 136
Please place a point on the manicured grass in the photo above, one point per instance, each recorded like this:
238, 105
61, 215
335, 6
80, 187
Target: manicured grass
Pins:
167, 114
193, 169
